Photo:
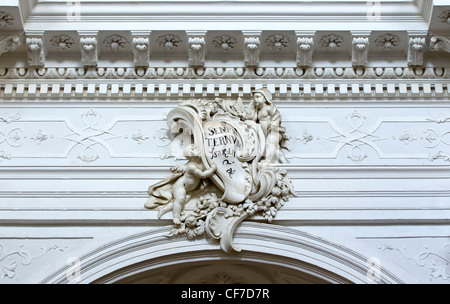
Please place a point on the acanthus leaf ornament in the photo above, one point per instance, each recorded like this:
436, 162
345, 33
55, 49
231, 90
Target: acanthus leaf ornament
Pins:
35, 50
4, 155
140, 137
40, 137
305, 138
415, 52
440, 43
6, 19
141, 51
251, 49
7, 118
89, 52
9, 43
360, 51
437, 262
196, 50
9, 260
444, 17
231, 174
305, 50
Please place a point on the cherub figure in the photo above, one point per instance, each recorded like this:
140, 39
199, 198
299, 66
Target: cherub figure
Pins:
264, 112
186, 179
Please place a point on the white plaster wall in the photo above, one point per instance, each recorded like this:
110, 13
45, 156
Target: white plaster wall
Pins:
74, 179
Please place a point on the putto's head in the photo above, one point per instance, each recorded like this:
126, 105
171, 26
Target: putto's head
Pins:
262, 96
191, 151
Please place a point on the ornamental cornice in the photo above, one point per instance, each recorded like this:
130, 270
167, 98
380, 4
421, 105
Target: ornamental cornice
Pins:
257, 48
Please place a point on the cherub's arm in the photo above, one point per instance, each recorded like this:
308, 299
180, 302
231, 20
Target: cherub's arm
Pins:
178, 169
275, 114
204, 174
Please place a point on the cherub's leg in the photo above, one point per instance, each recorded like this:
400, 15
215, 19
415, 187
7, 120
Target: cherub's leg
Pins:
178, 203
167, 208
179, 198
177, 208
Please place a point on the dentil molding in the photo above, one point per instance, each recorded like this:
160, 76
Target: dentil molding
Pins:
167, 90
304, 83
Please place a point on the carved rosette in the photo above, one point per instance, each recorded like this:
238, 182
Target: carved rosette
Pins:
331, 42
62, 42
277, 42
224, 42
387, 41
444, 17
115, 42
6, 19
168, 41
245, 181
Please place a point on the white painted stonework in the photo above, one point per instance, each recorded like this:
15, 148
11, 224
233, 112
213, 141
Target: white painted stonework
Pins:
362, 88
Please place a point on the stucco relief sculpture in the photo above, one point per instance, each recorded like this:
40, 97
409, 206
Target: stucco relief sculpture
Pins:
232, 173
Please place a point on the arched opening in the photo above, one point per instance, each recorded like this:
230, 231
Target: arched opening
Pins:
269, 253
219, 268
